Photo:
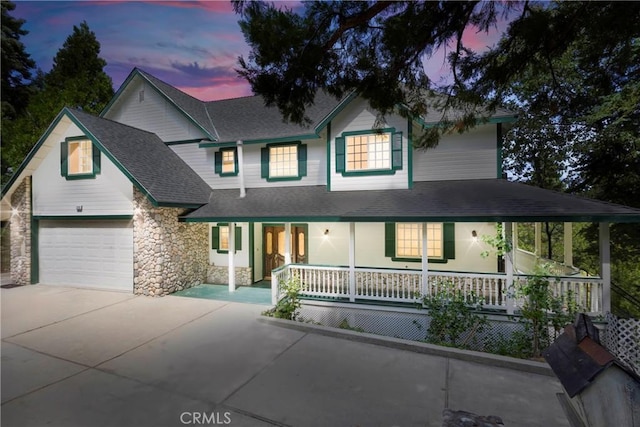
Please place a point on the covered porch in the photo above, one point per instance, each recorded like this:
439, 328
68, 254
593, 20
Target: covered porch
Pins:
375, 286
487, 201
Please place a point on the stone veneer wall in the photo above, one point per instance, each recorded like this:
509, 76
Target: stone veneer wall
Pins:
219, 275
20, 226
168, 255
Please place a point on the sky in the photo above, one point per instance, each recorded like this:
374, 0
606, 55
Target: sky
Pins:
192, 45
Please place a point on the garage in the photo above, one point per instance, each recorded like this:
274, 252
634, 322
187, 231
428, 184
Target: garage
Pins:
93, 254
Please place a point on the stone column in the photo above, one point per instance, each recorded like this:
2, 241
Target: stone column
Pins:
20, 224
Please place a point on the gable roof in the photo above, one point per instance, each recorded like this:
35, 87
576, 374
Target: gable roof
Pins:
250, 120
194, 109
490, 200
142, 156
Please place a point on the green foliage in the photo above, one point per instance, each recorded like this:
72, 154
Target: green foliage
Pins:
499, 243
453, 315
543, 313
289, 305
16, 64
374, 48
345, 325
76, 80
517, 344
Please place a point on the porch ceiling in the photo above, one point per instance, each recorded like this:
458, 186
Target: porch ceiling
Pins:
455, 201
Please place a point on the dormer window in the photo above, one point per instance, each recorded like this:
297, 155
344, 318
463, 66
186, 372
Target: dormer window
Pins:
369, 153
79, 158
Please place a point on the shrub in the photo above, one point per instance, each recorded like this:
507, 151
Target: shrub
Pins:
289, 305
453, 315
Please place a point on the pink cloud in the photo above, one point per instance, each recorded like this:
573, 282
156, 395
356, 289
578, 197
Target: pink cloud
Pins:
218, 91
211, 6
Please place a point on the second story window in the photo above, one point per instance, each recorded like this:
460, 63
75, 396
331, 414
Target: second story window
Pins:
79, 158
368, 152
226, 162
281, 162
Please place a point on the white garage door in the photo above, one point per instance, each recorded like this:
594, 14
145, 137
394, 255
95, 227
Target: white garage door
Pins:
96, 254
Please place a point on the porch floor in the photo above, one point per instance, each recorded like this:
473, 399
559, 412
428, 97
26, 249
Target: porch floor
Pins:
258, 293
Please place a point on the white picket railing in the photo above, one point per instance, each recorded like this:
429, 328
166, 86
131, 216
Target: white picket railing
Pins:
372, 284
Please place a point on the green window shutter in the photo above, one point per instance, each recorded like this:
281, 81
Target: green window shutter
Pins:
302, 160
448, 230
396, 151
264, 161
217, 162
215, 237
340, 154
96, 159
64, 158
390, 239
238, 236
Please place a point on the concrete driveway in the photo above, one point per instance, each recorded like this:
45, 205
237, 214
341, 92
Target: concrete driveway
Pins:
73, 357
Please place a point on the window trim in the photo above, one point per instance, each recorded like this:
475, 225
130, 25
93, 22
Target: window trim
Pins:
265, 154
64, 159
218, 161
215, 238
395, 153
448, 244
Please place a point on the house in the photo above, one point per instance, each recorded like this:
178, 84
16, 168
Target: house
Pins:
163, 191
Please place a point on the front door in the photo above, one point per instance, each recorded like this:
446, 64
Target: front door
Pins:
274, 246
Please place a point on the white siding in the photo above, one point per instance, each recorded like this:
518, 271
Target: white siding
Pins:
201, 160
316, 167
154, 113
370, 249
333, 248
358, 117
471, 155
110, 193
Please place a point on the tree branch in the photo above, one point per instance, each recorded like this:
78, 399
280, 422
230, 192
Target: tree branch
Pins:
355, 20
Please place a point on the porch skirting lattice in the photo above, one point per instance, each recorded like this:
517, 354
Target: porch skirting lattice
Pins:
622, 339
399, 322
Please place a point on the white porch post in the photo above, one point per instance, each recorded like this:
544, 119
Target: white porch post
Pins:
538, 238
425, 261
287, 243
568, 243
605, 266
508, 267
352, 261
232, 261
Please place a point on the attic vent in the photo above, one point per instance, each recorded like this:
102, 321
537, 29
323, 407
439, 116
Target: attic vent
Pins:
141, 95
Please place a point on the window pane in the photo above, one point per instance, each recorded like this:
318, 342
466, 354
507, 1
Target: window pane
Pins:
409, 240
228, 161
366, 152
80, 159
283, 161
224, 238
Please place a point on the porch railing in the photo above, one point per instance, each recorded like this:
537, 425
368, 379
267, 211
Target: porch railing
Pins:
371, 284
